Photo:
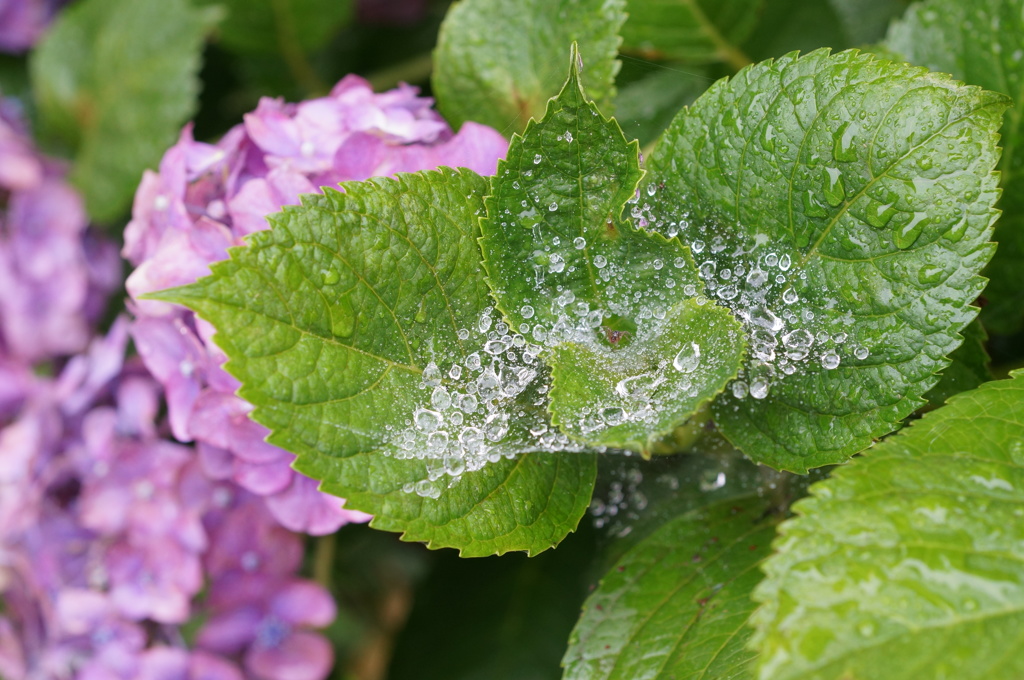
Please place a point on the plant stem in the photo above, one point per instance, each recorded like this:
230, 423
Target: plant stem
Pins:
323, 560
412, 70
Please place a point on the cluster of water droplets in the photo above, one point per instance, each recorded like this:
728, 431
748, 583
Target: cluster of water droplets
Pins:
785, 334
478, 407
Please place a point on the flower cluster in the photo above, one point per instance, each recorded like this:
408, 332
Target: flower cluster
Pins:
206, 198
108, 531
55, 274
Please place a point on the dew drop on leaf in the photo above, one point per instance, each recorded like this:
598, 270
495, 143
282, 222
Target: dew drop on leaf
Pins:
427, 420
687, 359
830, 361
343, 318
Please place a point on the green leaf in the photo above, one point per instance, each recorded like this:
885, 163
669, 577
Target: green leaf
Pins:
497, 62
279, 26
354, 325
968, 368
982, 42
675, 607
632, 357
856, 196
115, 80
907, 562
699, 31
633, 396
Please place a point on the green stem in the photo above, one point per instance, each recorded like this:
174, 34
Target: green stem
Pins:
323, 560
294, 56
412, 70
727, 52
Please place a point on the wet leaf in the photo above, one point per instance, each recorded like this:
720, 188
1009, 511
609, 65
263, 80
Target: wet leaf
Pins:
607, 296
114, 81
982, 43
498, 62
324, 320
907, 562
675, 606
856, 196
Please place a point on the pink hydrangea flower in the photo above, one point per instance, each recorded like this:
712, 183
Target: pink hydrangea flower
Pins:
206, 198
23, 22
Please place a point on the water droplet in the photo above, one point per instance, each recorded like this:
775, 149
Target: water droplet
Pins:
835, 192
879, 214
1017, 452
343, 318
440, 398
790, 296
331, 277
468, 403
687, 359
431, 375
553, 207
568, 136
929, 274
785, 262
867, 629
861, 352
526, 311
740, 389
427, 420
537, 159
843, 148
771, 259
473, 361
812, 206
757, 278
711, 480
905, 235
613, 415
830, 361
759, 389
579, 242
765, 318
697, 246
427, 489
456, 372
437, 442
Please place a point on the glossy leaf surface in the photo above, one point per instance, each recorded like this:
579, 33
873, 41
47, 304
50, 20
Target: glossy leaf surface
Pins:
907, 562
676, 605
856, 196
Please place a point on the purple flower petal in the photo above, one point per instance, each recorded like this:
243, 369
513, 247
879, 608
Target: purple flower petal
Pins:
300, 656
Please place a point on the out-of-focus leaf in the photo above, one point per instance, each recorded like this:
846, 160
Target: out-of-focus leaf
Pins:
498, 62
114, 81
279, 26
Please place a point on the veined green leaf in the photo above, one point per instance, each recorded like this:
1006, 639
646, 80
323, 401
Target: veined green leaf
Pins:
115, 80
907, 562
855, 196
355, 326
676, 605
982, 43
632, 356
498, 62
697, 31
